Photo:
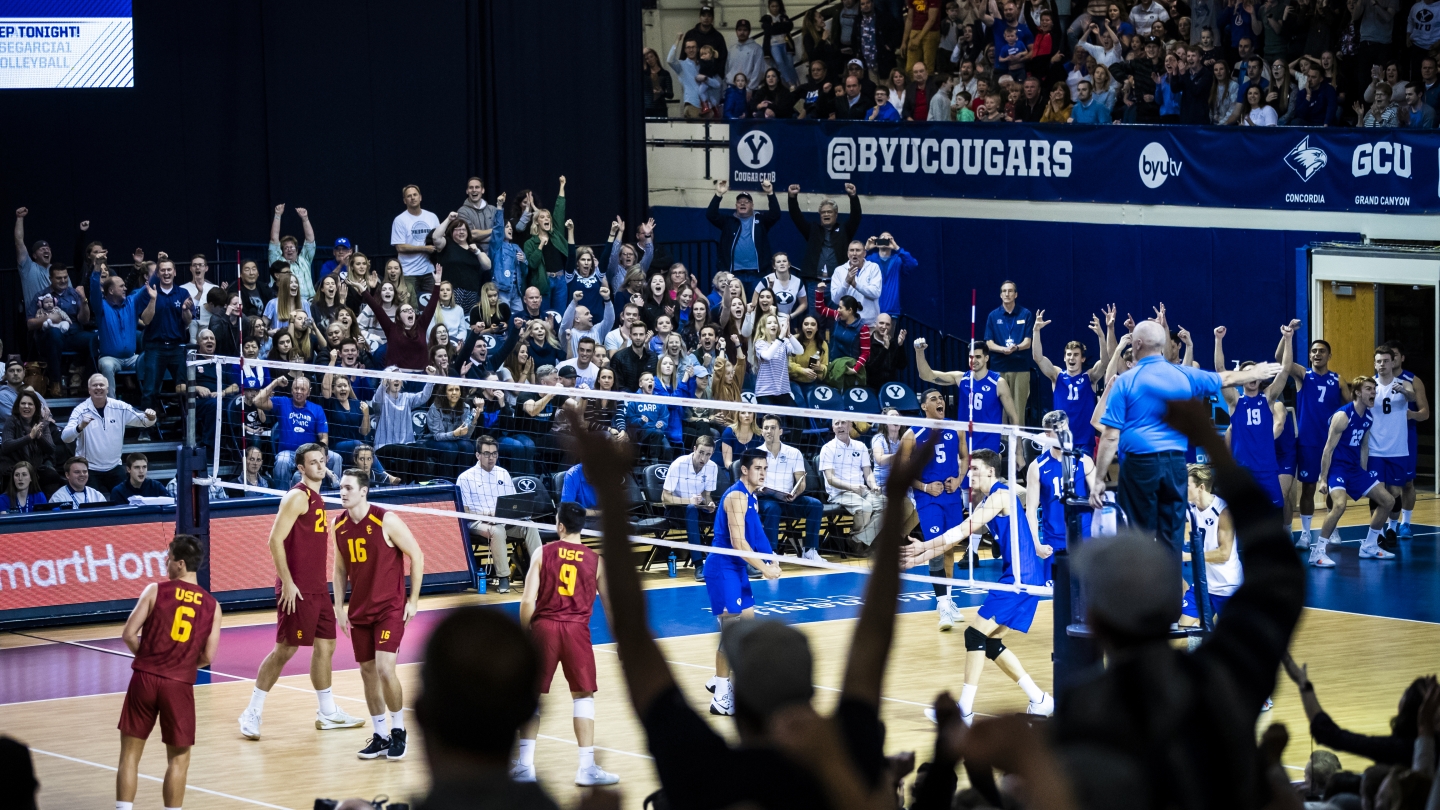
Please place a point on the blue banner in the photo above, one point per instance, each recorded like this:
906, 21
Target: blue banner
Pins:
1393, 171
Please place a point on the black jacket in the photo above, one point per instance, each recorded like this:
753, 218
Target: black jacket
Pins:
628, 367
887, 30
815, 235
932, 86
729, 226
1030, 112
1195, 96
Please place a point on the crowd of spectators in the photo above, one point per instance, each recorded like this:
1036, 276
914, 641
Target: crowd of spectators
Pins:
1370, 63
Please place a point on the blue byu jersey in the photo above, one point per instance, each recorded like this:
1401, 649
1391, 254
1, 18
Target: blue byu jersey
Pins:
1347, 452
946, 463
1075, 395
754, 529
1032, 568
1052, 503
984, 396
1317, 400
1252, 434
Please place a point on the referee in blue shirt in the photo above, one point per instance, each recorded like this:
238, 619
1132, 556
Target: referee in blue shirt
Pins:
1151, 490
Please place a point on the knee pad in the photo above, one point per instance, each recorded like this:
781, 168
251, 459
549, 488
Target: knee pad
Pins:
974, 640
585, 707
993, 648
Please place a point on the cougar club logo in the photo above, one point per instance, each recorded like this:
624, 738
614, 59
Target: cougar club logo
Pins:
1305, 160
1156, 166
755, 149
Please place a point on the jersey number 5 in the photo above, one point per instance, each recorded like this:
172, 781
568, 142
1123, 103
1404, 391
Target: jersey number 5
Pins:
180, 629
567, 580
357, 549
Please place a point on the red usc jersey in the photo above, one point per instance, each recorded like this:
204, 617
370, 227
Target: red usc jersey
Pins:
174, 634
305, 546
567, 582
377, 570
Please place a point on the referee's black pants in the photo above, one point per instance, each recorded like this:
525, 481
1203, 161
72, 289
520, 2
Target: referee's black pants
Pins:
1152, 491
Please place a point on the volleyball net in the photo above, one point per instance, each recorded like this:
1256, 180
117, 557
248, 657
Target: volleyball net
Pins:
529, 431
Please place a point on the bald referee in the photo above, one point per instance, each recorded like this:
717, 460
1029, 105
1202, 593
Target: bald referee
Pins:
1152, 485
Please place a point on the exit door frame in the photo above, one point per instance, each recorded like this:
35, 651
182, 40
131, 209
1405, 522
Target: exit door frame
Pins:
1378, 266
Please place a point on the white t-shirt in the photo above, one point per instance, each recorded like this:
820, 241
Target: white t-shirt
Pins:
1143, 17
682, 481
202, 315
1263, 116
1222, 578
1389, 430
584, 376
786, 295
1424, 24
409, 229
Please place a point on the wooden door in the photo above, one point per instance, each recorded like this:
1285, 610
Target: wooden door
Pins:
1349, 327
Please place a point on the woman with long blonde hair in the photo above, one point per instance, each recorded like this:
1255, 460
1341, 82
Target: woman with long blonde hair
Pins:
287, 300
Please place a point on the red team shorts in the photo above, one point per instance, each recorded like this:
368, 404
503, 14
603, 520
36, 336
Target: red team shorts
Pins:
314, 617
566, 644
151, 695
381, 634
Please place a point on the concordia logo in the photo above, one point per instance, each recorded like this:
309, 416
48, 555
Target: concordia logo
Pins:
1306, 160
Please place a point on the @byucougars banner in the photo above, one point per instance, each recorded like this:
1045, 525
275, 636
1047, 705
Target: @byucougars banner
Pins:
1390, 171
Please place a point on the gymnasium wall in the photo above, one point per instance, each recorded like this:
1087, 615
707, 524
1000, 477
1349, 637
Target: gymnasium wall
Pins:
332, 106
1206, 276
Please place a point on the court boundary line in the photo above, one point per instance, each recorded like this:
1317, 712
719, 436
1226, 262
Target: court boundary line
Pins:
188, 787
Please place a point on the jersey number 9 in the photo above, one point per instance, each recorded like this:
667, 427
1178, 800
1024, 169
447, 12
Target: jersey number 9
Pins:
180, 629
567, 580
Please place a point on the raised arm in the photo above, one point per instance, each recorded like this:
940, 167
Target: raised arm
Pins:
647, 675
275, 224
1038, 352
1276, 389
1231, 396
306, 227
922, 367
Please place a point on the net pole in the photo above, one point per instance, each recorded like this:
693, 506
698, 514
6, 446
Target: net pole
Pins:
970, 446
219, 416
1016, 514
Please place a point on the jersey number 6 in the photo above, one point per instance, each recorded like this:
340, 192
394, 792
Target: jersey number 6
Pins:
180, 630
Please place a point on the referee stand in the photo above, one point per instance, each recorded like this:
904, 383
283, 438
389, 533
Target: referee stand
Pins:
1076, 652
192, 503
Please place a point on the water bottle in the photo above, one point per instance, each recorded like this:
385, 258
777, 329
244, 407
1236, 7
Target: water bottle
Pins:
670, 565
480, 583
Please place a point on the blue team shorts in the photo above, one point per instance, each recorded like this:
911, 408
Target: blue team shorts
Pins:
939, 513
1013, 610
728, 585
1187, 605
1285, 457
1269, 480
1390, 471
1355, 481
1412, 461
1307, 462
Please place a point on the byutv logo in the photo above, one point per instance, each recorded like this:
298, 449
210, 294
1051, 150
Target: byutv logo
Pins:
1156, 166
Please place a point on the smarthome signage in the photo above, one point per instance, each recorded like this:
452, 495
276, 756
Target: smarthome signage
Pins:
66, 43
1388, 171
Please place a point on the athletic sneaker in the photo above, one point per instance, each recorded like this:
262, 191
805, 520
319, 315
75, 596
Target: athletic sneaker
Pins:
930, 713
723, 706
595, 775
700, 573
250, 724
945, 609
812, 555
1302, 540
1317, 555
378, 747
1269, 704
1375, 552
1044, 708
1404, 532
337, 720
710, 684
522, 773
1389, 539
503, 586
397, 744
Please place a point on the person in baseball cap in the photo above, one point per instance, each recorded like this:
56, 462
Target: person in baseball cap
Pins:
770, 667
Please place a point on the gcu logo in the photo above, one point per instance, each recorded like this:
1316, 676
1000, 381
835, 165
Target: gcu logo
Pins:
755, 149
1381, 158
1156, 166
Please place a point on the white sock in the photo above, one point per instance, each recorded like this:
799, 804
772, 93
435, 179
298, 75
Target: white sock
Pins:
327, 701
1372, 537
1305, 522
378, 720
257, 700
527, 753
1405, 516
1325, 541
397, 720
172, 808
587, 756
944, 601
124, 806
722, 688
1392, 523
1032, 691
967, 698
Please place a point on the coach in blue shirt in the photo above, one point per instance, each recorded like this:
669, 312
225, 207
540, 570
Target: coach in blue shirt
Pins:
1007, 333
1152, 485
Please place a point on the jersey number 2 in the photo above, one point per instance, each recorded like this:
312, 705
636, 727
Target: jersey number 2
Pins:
567, 580
180, 629
320, 521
